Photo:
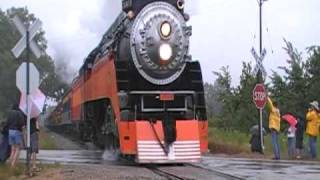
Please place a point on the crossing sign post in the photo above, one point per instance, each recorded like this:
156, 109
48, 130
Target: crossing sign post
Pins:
23, 73
259, 92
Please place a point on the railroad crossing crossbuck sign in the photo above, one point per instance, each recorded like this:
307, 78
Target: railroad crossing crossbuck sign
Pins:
22, 44
259, 96
259, 60
25, 83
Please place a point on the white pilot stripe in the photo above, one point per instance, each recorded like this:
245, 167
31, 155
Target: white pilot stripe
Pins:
187, 146
158, 145
180, 151
188, 157
163, 154
186, 150
177, 142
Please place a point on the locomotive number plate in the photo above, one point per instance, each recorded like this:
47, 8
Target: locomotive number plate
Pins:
166, 97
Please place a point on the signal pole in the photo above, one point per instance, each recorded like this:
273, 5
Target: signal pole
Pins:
259, 76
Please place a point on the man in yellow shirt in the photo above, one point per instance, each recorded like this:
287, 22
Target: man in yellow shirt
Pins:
313, 127
274, 126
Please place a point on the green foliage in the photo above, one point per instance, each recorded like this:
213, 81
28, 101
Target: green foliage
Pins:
238, 111
50, 82
299, 85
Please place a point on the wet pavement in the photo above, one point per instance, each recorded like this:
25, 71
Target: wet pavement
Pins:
263, 169
240, 167
69, 157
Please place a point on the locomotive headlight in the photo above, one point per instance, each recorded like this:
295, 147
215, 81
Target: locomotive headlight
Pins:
165, 29
165, 52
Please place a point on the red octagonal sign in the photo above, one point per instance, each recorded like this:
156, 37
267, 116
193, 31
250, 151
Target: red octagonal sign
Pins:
259, 96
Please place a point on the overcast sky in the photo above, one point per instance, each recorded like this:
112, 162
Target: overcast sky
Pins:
224, 31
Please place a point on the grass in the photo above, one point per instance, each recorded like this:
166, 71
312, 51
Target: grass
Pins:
235, 142
6, 172
45, 141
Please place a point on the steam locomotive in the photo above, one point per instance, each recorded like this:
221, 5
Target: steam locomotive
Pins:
139, 90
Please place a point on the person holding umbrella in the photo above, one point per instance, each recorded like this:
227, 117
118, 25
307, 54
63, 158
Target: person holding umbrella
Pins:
274, 126
312, 131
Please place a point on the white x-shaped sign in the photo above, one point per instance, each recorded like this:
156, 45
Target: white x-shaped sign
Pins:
259, 60
22, 44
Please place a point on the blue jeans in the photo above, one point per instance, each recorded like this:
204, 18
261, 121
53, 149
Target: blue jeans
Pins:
291, 146
275, 144
15, 137
313, 146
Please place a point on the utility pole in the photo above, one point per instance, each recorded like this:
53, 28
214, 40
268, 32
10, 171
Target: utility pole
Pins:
259, 76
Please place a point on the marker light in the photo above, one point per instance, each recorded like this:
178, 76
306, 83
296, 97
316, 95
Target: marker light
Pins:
165, 29
165, 52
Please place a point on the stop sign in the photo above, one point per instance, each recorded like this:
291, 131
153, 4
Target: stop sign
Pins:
259, 96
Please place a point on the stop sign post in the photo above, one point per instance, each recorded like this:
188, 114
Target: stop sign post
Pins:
260, 99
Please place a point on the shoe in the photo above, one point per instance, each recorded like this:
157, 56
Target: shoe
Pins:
275, 158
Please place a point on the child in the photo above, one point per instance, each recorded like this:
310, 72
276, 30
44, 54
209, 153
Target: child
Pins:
291, 133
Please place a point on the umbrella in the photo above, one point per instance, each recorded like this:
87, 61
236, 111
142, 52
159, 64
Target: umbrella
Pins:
290, 119
36, 103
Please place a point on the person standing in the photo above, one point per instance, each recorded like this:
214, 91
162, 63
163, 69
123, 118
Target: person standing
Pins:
313, 127
4, 145
299, 136
274, 126
291, 141
34, 142
16, 123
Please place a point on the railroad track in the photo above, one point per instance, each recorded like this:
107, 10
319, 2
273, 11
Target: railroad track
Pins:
220, 173
164, 173
172, 173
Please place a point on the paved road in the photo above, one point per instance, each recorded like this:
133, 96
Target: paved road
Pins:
240, 167
264, 169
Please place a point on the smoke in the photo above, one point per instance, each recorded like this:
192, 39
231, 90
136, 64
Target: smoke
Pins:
107, 13
110, 155
192, 7
63, 67
81, 29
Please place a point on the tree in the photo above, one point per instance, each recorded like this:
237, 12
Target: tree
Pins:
226, 98
246, 113
313, 73
292, 94
212, 92
50, 81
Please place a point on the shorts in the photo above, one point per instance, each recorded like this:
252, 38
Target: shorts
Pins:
34, 142
15, 137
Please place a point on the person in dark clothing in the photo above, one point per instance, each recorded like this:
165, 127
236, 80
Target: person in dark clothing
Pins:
255, 139
5, 148
255, 143
16, 123
34, 141
299, 136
